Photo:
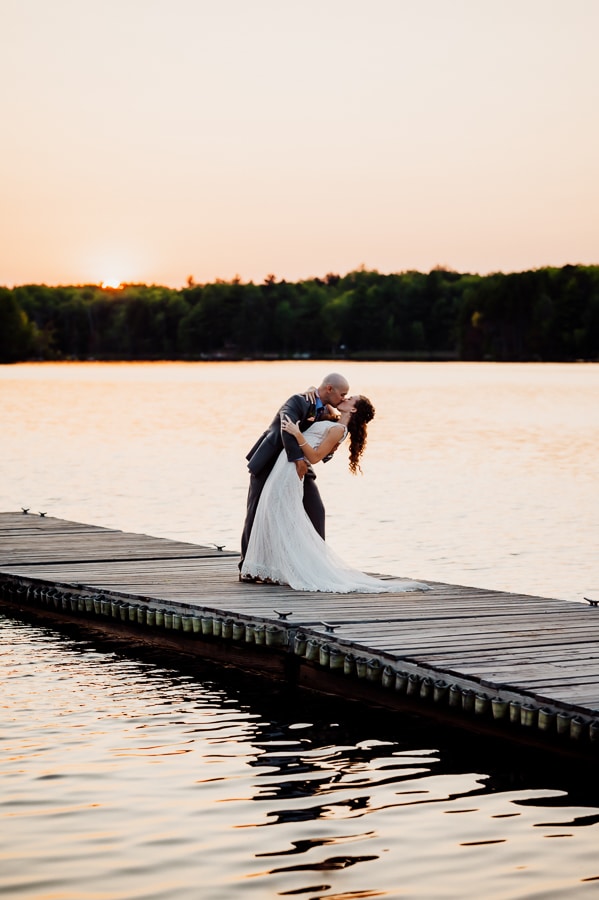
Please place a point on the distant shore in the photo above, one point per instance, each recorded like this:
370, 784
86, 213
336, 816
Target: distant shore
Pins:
544, 315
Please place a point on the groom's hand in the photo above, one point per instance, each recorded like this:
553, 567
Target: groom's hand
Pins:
301, 467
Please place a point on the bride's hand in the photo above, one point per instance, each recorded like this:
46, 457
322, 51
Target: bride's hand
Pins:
289, 426
310, 394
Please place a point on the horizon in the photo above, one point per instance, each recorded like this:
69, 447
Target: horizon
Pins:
235, 279
154, 141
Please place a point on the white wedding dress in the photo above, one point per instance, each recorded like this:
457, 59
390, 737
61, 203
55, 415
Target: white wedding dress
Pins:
285, 547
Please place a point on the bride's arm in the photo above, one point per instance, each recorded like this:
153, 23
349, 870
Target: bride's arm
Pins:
313, 454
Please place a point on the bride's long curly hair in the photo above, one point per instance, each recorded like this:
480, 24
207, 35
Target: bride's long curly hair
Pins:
358, 433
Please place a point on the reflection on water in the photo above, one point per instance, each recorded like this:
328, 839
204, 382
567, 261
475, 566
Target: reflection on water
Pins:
125, 777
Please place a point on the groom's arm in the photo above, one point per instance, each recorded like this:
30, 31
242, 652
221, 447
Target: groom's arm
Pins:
296, 408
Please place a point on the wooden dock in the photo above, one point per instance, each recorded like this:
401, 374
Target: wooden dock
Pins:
526, 667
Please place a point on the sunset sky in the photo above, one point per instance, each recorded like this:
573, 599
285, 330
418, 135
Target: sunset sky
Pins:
152, 140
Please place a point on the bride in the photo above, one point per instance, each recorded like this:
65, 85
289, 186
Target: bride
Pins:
284, 546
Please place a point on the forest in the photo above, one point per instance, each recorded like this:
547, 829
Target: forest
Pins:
547, 314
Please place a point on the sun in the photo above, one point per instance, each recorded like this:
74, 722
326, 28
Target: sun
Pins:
113, 284
113, 268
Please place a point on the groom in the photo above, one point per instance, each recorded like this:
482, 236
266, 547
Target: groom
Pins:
265, 451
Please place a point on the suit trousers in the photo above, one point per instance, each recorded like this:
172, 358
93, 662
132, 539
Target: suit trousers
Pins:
312, 504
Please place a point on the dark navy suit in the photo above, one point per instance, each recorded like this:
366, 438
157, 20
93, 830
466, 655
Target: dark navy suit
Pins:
263, 456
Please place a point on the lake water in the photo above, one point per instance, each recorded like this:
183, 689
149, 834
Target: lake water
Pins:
142, 777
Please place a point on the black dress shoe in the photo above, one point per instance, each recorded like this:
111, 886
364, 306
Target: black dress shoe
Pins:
247, 579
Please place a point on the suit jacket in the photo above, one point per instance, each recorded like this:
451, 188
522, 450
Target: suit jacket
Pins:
265, 451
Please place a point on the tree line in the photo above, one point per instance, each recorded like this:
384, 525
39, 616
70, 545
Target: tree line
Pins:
547, 314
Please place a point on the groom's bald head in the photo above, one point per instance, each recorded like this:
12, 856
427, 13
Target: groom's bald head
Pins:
333, 389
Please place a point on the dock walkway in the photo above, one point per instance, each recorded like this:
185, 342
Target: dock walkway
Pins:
526, 666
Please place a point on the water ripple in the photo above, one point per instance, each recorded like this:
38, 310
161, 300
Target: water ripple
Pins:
141, 778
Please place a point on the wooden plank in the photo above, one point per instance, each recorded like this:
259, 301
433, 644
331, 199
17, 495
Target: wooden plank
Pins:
15, 521
53, 541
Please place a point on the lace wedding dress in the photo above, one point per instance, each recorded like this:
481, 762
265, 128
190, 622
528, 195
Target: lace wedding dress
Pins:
285, 547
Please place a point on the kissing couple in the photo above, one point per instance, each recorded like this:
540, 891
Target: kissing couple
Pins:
283, 535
